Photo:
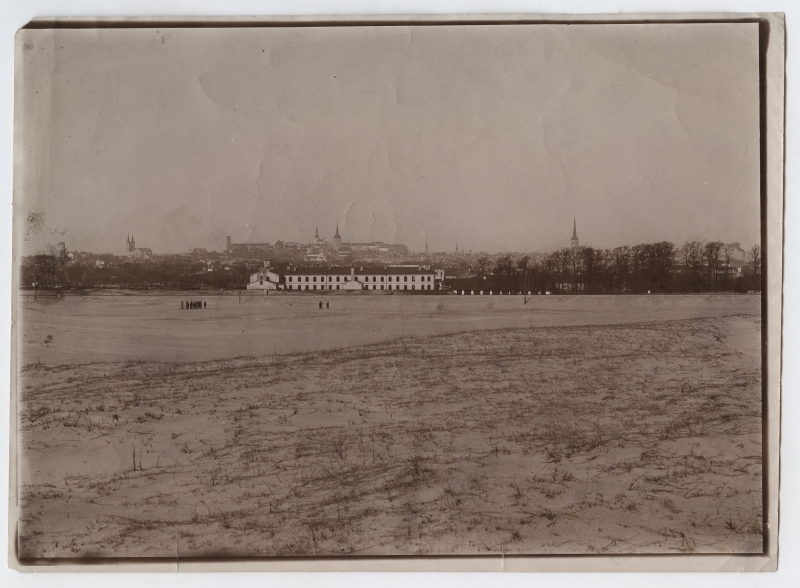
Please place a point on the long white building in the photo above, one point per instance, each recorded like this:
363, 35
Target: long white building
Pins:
405, 278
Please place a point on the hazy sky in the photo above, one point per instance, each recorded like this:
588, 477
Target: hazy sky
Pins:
492, 137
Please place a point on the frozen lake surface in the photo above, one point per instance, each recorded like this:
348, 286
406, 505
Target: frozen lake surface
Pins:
91, 328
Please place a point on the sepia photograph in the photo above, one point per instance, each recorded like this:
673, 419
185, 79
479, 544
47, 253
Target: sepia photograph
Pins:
443, 289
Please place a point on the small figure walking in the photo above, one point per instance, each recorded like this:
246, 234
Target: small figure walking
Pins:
204, 303
320, 304
327, 305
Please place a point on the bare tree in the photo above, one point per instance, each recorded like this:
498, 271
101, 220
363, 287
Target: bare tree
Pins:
689, 256
549, 266
576, 258
712, 251
755, 255
564, 257
663, 256
727, 256
638, 268
482, 267
621, 266
586, 262
522, 266
504, 266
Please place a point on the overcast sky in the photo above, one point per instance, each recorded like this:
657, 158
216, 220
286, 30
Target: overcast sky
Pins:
490, 137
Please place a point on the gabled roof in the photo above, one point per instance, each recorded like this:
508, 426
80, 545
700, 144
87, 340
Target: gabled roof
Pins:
389, 271
312, 271
359, 271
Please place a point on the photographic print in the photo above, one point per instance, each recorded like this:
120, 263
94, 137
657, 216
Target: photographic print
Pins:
389, 290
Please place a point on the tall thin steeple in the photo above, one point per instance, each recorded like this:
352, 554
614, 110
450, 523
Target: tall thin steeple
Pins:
337, 239
574, 241
426, 247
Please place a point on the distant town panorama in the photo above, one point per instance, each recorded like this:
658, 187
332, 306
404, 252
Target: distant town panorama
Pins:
331, 266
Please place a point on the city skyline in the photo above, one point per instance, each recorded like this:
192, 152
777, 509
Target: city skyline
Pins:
400, 134
456, 247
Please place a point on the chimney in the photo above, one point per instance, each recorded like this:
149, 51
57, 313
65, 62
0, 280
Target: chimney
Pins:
352, 271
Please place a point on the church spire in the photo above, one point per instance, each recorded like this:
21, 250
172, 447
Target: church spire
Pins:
336, 236
574, 241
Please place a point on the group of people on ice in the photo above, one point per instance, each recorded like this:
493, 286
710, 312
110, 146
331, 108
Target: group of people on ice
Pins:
192, 304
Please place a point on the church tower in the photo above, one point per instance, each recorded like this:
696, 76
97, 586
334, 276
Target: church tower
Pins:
574, 241
131, 243
337, 239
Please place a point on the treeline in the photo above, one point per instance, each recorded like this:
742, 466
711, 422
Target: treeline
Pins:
55, 271
650, 267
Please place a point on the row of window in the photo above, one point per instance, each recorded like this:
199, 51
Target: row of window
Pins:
374, 278
374, 287
321, 278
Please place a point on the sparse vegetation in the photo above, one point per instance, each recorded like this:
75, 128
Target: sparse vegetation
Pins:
522, 440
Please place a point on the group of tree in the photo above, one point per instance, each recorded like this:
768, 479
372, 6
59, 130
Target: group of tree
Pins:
647, 268
650, 267
55, 270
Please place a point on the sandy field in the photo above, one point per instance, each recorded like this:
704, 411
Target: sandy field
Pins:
449, 425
